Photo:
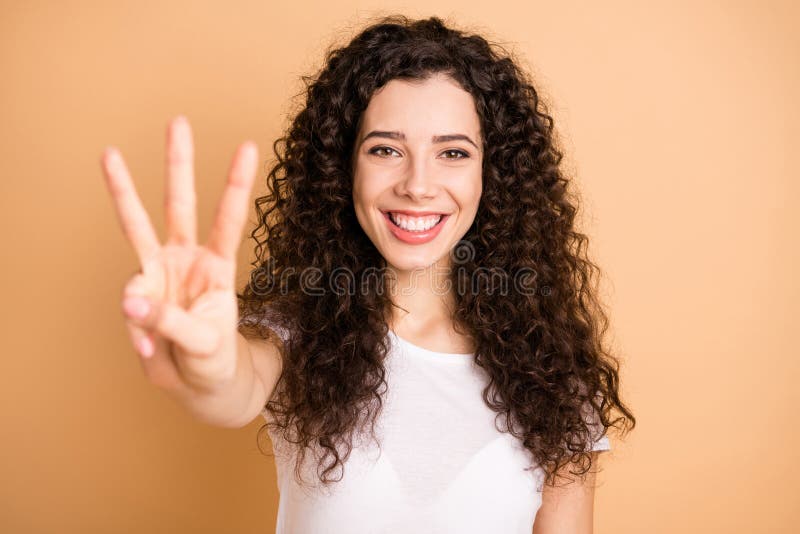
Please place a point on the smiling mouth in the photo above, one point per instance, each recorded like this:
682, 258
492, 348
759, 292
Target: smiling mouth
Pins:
415, 223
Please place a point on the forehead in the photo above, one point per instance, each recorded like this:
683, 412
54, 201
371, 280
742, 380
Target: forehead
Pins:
437, 105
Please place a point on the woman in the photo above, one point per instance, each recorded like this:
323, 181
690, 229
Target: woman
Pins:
420, 329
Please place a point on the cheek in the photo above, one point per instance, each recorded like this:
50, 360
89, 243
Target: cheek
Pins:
470, 194
365, 197
358, 189
363, 194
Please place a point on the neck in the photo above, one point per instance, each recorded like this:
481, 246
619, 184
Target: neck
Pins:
421, 297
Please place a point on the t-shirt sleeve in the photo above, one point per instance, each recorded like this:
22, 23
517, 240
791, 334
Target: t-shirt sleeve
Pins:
602, 444
281, 331
600, 441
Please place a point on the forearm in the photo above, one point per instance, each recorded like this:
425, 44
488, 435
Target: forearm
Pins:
230, 405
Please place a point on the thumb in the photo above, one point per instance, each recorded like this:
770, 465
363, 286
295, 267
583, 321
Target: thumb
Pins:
193, 335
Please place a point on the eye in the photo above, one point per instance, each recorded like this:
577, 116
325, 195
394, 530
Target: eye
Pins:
460, 154
376, 150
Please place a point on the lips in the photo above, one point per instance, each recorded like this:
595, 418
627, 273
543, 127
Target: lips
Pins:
415, 237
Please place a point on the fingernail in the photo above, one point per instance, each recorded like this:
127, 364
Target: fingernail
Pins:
136, 307
146, 347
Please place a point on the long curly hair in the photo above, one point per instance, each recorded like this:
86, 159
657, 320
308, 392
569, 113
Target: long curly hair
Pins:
549, 375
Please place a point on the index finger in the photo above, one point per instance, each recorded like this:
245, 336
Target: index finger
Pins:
226, 234
132, 216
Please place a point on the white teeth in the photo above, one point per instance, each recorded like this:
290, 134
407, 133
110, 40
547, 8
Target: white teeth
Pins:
415, 224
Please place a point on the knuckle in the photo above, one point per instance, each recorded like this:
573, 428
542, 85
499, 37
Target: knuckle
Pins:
181, 203
162, 319
213, 343
178, 155
134, 288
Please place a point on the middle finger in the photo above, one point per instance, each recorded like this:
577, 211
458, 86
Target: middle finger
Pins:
180, 199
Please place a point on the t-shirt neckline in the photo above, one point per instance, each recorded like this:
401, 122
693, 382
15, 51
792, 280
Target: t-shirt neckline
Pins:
460, 357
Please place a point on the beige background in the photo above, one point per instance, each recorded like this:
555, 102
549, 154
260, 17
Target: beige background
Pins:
681, 125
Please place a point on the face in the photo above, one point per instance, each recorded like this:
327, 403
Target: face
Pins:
417, 171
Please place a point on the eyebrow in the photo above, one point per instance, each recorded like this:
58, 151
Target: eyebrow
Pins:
401, 136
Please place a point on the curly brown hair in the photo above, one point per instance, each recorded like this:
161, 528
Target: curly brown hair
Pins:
542, 350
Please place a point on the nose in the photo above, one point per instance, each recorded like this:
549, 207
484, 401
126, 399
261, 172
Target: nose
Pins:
418, 183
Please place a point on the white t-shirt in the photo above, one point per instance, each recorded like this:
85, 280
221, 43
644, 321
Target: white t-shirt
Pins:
442, 467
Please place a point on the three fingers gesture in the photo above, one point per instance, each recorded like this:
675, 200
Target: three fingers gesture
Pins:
181, 310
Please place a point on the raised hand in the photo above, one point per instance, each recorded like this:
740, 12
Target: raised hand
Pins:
180, 309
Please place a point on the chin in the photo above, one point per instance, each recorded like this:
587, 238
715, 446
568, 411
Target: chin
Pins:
409, 262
